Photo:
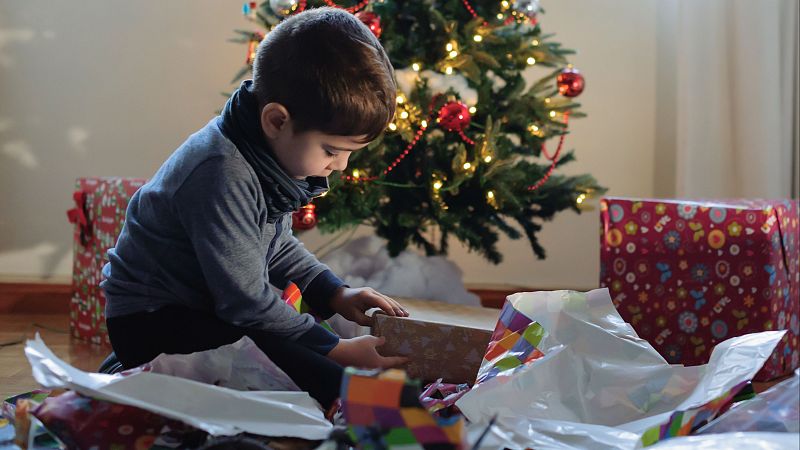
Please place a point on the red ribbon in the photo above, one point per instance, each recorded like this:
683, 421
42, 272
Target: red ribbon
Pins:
79, 215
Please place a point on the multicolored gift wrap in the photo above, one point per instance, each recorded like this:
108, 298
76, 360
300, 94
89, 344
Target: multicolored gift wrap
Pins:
10, 404
383, 410
98, 215
440, 398
294, 298
513, 344
688, 275
441, 340
686, 422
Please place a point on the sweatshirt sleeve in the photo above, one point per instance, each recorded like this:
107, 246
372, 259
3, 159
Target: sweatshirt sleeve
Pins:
292, 262
217, 206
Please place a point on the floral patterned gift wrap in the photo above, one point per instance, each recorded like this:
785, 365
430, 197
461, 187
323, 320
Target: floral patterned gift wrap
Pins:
690, 274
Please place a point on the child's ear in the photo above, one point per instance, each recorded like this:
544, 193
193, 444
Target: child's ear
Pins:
274, 119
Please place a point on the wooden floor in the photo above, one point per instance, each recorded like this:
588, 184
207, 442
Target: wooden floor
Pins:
15, 372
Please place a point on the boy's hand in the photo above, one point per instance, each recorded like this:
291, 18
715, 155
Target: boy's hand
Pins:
361, 352
353, 303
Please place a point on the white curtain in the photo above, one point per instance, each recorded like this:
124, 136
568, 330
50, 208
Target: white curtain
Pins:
735, 96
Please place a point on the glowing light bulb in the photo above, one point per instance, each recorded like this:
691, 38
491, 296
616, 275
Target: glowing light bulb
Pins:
531, 61
404, 115
477, 38
415, 67
448, 70
488, 159
467, 166
472, 109
437, 185
392, 126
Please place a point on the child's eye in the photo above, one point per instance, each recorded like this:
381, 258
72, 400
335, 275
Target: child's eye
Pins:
329, 153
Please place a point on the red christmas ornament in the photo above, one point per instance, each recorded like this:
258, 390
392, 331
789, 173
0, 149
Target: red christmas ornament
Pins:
372, 21
454, 116
305, 218
570, 83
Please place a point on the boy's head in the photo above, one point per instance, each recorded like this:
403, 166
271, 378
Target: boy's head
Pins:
325, 88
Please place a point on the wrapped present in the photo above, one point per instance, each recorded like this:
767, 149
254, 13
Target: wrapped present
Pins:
442, 340
688, 275
82, 422
98, 215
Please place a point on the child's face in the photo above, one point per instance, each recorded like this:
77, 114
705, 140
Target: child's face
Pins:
310, 153
313, 153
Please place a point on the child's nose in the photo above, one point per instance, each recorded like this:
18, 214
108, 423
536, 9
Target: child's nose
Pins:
340, 163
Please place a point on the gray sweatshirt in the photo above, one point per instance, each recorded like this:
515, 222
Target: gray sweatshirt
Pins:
196, 235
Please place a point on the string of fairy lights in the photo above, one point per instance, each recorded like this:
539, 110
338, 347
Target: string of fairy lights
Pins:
453, 115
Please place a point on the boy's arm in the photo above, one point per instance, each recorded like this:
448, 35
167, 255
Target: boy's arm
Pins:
217, 207
325, 293
292, 262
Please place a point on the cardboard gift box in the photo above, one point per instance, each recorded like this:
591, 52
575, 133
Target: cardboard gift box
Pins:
98, 215
442, 340
689, 274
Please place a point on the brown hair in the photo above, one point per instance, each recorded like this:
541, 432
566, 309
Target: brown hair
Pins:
329, 71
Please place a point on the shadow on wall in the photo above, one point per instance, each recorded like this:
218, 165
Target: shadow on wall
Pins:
34, 186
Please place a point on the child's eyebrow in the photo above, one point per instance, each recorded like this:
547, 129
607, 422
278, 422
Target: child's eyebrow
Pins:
340, 149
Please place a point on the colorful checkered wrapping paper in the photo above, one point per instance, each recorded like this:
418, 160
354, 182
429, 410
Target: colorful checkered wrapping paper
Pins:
383, 410
513, 344
686, 422
294, 298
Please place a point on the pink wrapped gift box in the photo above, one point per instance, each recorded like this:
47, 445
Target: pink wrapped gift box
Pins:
690, 274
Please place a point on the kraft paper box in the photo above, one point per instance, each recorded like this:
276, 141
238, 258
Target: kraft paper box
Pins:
442, 340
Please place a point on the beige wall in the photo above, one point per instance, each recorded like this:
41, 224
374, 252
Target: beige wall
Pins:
111, 88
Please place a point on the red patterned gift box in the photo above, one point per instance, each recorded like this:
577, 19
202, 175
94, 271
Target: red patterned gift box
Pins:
689, 274
99, 213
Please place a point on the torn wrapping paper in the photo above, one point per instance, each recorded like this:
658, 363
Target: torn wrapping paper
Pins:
776, 409
214, 409
734, 441
294, 298
241, 366
383, 410
440, 398
565, 371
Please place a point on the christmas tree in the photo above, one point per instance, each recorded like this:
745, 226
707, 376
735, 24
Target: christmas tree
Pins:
466, 154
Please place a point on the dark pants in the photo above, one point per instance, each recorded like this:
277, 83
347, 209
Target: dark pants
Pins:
138, 338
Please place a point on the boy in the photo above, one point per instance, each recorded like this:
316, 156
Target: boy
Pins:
205, 238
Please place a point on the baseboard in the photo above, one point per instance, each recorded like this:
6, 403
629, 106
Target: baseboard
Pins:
32, 297
494, 295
